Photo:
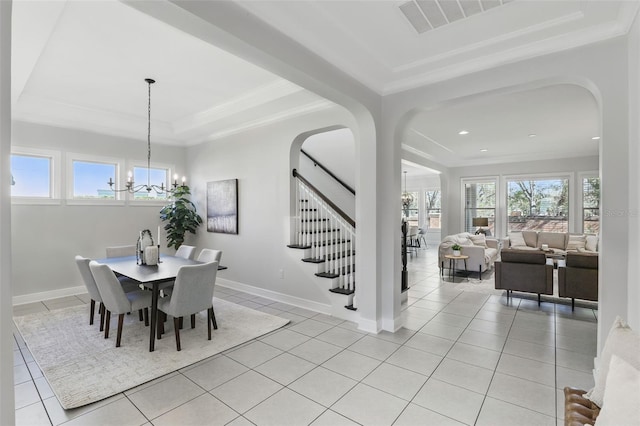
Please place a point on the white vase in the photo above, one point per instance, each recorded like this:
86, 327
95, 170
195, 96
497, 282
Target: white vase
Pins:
456, 252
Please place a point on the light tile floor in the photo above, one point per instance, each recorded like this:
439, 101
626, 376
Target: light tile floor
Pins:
463, 357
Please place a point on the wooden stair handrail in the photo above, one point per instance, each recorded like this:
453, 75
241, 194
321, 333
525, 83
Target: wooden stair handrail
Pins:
329, 172
325, 199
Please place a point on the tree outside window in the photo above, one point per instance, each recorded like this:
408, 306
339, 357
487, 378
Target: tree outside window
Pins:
432, 207
538, 204
480, 201
591, 205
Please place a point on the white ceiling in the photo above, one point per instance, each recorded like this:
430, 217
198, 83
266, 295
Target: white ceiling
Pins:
82, 64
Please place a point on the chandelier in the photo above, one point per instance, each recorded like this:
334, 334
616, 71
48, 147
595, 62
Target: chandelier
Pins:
130, 186
407, 198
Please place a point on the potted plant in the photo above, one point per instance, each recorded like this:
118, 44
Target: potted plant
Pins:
456, 249
181, 217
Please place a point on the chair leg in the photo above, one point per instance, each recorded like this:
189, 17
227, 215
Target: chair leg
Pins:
160, 327
146, 317
119, 336
92, 311
107, 320
193, 320
101, 312
573, 304
176, 324
213, 319
538, 299
209, 324
140, 314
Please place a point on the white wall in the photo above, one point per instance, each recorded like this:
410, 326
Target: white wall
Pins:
258, 257
336, 151
45, 238
571, 166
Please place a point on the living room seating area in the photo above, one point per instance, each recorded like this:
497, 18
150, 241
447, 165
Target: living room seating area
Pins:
482, 251
555, 242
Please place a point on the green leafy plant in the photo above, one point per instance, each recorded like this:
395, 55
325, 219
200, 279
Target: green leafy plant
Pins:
456, 247
181, 216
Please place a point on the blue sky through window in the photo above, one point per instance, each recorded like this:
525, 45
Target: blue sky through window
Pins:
90, 179
32, 176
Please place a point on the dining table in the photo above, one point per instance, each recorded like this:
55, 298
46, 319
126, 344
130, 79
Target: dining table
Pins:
151, 277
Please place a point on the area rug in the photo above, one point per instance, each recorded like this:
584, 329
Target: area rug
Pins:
82, 367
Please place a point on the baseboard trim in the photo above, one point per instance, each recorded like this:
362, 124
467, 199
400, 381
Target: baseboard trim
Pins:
370, 326
46, 295
321, 308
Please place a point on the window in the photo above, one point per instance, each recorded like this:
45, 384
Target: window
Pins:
31, 176
540, 204
90, 180
590, 205
479, 201
156, 176
432, 208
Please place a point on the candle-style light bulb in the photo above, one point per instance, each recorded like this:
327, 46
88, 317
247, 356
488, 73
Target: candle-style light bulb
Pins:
184, 179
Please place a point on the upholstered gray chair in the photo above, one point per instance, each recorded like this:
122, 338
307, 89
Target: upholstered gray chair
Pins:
114, 298
92, 289
578, 277
186, 252
121, 251
210, 255
522, 270
191, 293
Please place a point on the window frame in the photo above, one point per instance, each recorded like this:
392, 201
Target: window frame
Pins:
131, 165
497, 218
581, 177
569, 176
119, 179
424, 204
54, 175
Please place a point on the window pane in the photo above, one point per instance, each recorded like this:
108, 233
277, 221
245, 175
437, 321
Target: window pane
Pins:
590, 205
432, 209
480, 201
538, 204
31, 176
155, 177
90, 180
410, 211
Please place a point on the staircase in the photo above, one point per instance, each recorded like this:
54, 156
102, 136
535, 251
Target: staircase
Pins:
326, 237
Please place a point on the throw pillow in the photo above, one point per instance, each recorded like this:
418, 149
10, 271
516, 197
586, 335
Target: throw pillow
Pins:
591, 243
576, 242
622, 342
516, 239
479, 240
621, 395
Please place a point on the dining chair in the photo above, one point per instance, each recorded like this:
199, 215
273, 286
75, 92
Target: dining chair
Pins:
92, 289
186, 252
192, 293
121, 251
115, 300
210, 255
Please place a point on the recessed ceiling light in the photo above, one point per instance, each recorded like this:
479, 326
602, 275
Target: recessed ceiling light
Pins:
484, 150
463, 132
532, 135
596, 138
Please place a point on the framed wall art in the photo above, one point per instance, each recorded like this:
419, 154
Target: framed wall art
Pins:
222, 206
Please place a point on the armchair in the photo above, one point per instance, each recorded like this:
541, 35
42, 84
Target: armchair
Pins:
525, 271
578, 277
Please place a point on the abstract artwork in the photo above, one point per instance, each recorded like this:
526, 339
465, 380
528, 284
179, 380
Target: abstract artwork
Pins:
222, 206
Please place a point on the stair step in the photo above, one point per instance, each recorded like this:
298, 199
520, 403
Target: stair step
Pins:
308, 210
329, 257
345, 270
351, 308
298, 246
328, 243
342, 291
327, 275
314, 220
319, 231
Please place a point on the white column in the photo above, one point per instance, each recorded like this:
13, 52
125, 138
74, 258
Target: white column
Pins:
7, 408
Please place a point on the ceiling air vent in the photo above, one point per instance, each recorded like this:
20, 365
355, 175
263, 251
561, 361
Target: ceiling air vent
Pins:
425, 15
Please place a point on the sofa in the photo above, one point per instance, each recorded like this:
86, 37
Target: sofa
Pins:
559, 243
578, 277
524, 270
482, 252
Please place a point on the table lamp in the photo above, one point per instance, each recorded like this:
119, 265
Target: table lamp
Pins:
480, 222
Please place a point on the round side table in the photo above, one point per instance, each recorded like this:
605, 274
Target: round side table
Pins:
452, 264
